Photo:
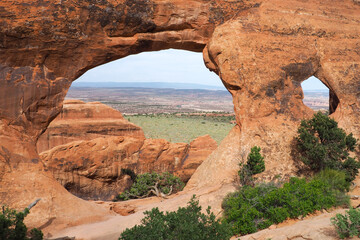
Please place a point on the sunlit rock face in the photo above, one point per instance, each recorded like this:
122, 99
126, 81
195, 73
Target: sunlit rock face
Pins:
261, 50
263, 55
45, 45
85, 121
93, 169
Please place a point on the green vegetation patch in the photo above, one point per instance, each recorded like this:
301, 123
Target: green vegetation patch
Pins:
151, 184
347, 225
254, 208
12, 226
186, 223
322, 144
255, 164
184, 128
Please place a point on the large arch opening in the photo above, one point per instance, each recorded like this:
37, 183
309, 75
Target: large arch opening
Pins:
318, 96
184, 88
169, 95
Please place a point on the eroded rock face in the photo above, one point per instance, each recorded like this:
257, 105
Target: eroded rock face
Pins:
261, 50
45, 45
85, 121
92, 169
312, 228
199, 150
263, 56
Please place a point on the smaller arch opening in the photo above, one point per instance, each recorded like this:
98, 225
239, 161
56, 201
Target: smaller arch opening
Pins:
318, 96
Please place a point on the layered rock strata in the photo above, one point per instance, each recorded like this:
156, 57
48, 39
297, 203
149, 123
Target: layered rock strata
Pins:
85, 121
93, 169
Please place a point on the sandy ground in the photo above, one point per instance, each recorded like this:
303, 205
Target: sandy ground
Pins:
112, 227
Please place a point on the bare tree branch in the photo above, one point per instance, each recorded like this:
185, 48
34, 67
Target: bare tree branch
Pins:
163, 195
31, 205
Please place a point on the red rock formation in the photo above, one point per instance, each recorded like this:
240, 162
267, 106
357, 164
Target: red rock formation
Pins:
264, 75
92, 169
316, 227
45, 45
85, 121
200, 149
261, 49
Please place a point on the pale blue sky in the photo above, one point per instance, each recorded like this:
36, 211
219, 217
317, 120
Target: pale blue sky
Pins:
313, 84
163, 66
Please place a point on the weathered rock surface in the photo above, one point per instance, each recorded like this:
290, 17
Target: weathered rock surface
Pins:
55, 202
312, 228
111, 228
261, 49
92, 169
45, 45
264, 54
199, 150
85, 121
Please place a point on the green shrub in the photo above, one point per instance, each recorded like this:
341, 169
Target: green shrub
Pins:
12, 226
322, 144
334, 179
245, 175
152, 184
255, 164
253, 208
255, 161
351, 167
347, 225
186, 223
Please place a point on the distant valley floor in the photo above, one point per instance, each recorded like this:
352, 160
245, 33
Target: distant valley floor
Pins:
168, 100
177, 115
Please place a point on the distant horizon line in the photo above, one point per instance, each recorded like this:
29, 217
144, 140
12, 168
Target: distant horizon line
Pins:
79, 82
175, 85
171, 85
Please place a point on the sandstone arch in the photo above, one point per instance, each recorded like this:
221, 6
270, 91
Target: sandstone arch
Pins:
333, 100
261, 49
45, 45
263, 56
